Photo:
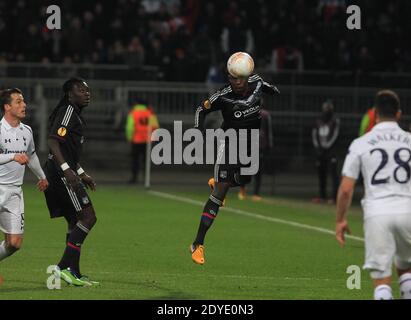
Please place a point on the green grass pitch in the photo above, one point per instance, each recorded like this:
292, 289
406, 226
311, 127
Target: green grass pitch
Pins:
139, 250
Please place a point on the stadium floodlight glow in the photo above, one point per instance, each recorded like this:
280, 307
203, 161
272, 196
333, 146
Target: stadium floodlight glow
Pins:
240, 64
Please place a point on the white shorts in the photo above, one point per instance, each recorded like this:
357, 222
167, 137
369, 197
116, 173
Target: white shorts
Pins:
387, 240
11, 209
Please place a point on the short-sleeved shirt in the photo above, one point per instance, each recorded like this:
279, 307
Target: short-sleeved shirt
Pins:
68, 127
14, 140
383, 156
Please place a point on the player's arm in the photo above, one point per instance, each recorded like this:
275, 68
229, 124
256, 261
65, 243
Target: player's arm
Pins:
344, 198
69, 174
35, 166
57, 136
18, 157
350, 173
267, 88
85, 178
213, 103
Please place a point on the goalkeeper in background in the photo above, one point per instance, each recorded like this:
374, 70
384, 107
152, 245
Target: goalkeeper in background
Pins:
239, 102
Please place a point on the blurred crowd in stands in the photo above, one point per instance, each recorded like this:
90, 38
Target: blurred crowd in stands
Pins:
189, 40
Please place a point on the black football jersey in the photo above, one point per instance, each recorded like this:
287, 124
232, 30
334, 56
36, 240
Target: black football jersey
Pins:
236, 112
67, 127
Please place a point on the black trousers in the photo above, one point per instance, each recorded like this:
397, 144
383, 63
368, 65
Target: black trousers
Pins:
327, 164
138, 159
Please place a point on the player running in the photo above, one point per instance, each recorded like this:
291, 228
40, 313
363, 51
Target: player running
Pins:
16, 151
383, 158
67, 196
239, 103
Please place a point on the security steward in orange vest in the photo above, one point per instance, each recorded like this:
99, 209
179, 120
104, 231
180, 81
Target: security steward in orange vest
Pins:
141, 121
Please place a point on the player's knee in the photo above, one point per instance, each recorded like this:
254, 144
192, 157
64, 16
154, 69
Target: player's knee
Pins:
221, 190
89, 220
14, 245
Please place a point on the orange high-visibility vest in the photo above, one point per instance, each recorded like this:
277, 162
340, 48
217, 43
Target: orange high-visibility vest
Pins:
144, 121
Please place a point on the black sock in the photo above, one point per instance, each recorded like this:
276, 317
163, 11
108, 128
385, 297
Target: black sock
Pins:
207, 218
71, 256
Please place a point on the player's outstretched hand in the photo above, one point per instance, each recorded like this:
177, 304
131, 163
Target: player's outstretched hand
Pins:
340, 229
72, 178
21, 158
43, 184
88, 181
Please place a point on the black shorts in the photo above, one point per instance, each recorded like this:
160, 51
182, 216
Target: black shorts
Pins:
62, 200
229, 173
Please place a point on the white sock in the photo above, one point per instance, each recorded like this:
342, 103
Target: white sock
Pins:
405, 286
383, 292
4, 251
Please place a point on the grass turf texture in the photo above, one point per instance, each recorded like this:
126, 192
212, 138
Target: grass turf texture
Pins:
139, 250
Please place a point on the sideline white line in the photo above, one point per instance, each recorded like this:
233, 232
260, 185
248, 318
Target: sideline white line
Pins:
253, 215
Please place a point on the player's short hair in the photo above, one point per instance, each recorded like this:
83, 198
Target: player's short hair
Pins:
387, 103
70, 83
5, 96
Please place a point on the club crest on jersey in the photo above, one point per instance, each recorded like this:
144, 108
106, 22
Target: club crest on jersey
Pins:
62, 131
207, 104
223, 174
85, 200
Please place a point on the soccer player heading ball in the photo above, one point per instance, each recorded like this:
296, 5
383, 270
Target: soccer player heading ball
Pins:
239, 102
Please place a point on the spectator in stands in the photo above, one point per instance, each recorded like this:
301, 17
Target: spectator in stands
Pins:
324, 135
303, 34
141, 121
286, 58
237, 37
135, 54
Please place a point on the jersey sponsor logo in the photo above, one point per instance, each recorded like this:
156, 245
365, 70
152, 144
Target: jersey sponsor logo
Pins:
6, 151
238, 114
246, 112
62, 131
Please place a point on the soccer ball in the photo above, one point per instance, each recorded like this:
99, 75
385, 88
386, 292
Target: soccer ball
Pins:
240, 64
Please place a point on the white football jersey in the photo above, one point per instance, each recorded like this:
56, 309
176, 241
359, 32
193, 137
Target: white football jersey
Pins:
383, 156
14, 140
